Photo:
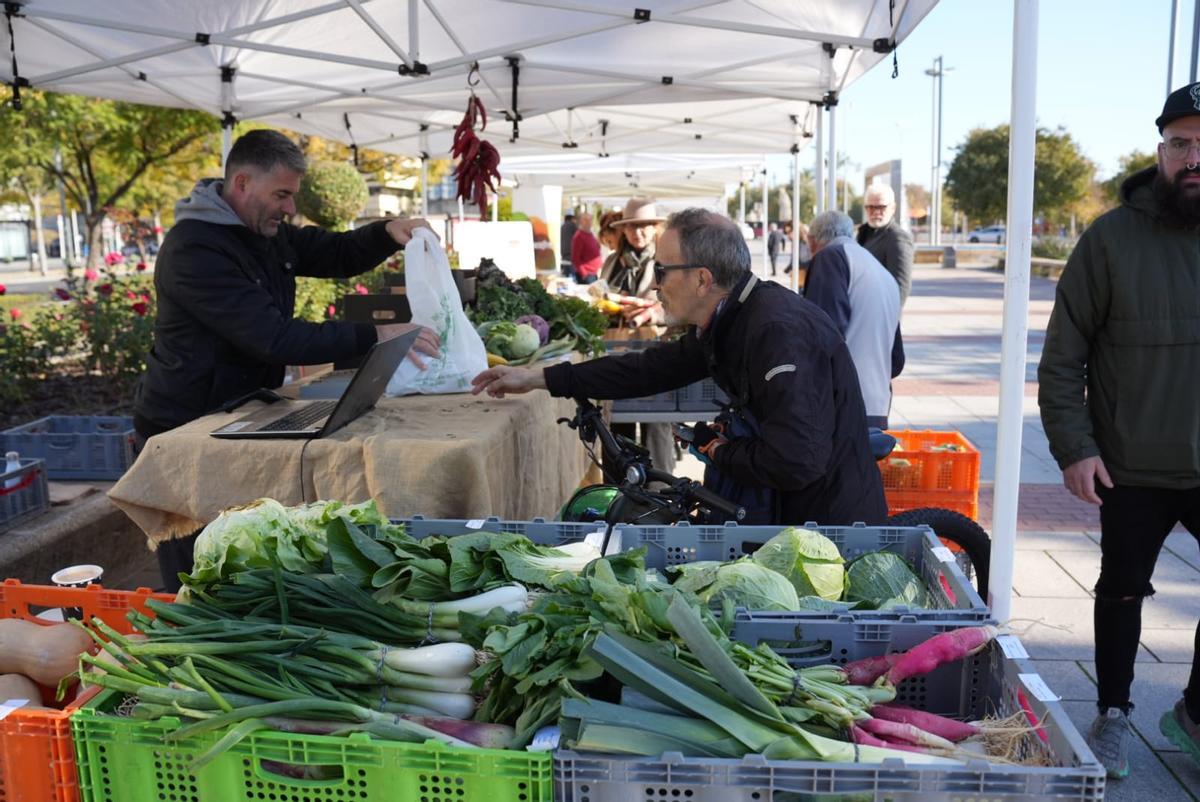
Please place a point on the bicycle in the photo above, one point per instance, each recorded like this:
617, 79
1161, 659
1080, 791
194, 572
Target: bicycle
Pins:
627, 496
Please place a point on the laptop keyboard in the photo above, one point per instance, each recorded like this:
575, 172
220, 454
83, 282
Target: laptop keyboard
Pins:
302, 418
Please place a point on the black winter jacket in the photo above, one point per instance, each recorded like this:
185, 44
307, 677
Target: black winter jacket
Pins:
785, 357
224, 326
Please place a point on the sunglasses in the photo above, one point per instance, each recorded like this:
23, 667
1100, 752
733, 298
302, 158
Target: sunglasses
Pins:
660, 270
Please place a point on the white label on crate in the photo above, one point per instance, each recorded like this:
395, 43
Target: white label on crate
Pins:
1012, 648
596, 540
9, 705
1038, 687
943, 554
475, 523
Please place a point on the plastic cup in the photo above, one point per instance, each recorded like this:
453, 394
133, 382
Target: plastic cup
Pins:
76, 576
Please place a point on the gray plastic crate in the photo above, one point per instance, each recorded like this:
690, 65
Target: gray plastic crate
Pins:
539, 530
28, 496
663, 402
75, 446
988, 683
950, 589
703, 396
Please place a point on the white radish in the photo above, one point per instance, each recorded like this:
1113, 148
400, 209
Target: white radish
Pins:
454, 705
439, 660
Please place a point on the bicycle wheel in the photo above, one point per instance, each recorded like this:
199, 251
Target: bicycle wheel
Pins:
969, 540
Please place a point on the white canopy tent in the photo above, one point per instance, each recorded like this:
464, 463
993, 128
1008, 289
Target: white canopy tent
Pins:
657, 76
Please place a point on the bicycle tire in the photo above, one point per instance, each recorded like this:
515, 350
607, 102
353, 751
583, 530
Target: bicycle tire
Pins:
957, 529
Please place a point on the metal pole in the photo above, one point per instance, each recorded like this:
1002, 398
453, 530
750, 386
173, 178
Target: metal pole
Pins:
766, 216
425, 170
1018, 245
937, 165
1171, 46
795, 276
831, 189
742, 202
820, 171
930, 218
1195, 40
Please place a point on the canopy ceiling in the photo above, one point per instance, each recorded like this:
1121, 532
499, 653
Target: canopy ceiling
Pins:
626, 175
653, 76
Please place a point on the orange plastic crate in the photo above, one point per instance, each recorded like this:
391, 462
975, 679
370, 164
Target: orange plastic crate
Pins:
37, 752
919, 474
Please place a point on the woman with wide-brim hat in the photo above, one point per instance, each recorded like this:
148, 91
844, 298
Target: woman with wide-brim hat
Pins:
630, 269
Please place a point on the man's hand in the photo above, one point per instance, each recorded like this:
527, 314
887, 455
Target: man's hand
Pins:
707, 438
641, 311
427, 343
1081, 477
401, 230
503, 379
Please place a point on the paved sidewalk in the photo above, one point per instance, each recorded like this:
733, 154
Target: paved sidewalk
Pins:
952, 325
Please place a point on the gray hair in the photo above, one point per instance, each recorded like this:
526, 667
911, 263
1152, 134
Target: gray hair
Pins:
263, 149
709, 239
828, 226
884, 191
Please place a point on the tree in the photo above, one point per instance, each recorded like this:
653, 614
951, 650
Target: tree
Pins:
24, 180
107, 147
978, 176
917, 200
332, 194
1132, 162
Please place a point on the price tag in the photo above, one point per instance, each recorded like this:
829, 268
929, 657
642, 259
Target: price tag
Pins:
475, 523
1012, 648
1038, 687
596, 540
943, 554
9, 705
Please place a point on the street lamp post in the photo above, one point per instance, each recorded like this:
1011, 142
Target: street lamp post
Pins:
935, 195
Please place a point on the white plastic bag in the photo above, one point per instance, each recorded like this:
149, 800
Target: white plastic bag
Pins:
436, 304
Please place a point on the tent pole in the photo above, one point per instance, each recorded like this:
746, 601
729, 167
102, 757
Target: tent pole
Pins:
831, 177
424, 170
1016, 305
1171, 46
227, 118
766, 215
819, 150
1195, 41
742, 201
795, 261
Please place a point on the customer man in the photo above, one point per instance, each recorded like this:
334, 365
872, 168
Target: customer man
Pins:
759, 342
585, 251
1119, 391
862, 298
775, 240
566, 235
226, 288
885, 239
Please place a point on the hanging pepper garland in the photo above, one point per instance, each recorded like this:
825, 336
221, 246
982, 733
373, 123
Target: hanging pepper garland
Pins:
478, 160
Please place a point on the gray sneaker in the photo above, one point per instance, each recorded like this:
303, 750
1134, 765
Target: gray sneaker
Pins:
1178, 726
1109, 740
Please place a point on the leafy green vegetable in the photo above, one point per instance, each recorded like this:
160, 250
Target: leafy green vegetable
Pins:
258, 535
884, 579
744, 583
810, 561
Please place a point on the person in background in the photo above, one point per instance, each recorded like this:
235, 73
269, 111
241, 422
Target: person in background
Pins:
608, 234
628, 270
775, 243
863, 300
803, 252
1119, 392
225, 281
585, 251
883, 237
566, 235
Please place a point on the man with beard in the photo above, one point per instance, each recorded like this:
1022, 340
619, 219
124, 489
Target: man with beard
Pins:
1119, 391
883, 237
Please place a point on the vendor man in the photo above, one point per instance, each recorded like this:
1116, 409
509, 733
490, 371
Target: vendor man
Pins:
761, 343
225, 281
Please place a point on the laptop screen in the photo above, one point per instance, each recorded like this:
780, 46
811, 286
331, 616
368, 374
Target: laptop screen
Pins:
369, 381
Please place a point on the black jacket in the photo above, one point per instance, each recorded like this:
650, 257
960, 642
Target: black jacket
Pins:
799, 382
224, 327
893, 247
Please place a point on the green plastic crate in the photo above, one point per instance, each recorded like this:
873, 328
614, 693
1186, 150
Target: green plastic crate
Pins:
122, 759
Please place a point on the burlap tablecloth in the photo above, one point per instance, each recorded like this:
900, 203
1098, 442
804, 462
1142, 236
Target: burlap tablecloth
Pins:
446, 456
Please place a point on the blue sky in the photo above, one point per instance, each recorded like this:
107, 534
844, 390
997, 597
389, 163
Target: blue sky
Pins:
1102, 71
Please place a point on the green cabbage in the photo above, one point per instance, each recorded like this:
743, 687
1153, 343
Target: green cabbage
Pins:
884, 579
743, 582
511, 340
810, 561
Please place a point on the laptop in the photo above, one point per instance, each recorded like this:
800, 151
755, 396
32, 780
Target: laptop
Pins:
313, 419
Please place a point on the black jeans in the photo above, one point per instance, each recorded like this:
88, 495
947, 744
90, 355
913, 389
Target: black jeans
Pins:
1134, 523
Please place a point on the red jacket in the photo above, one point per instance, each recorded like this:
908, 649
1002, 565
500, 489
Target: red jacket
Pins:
585, 254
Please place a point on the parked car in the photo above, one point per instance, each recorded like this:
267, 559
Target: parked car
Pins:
990, 234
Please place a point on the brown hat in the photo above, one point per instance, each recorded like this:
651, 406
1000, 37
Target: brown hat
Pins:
640, 212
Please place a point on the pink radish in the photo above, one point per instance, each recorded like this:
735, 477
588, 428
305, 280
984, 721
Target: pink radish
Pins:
947, 728
864, 738
869, 669
905, 733
1023, 700
939, 650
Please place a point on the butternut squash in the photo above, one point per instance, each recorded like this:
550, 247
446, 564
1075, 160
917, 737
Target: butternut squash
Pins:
45, 654
15, 686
